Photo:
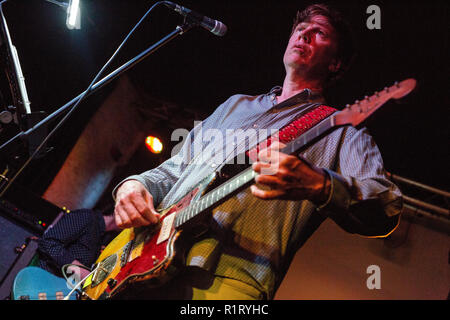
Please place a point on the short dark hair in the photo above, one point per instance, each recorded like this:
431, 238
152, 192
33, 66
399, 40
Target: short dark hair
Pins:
345, 47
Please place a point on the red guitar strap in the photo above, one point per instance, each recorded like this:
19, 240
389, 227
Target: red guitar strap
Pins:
296, 128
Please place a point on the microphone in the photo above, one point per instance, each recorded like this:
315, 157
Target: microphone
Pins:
214, 26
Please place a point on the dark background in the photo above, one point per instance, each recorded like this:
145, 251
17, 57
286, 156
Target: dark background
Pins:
199, 70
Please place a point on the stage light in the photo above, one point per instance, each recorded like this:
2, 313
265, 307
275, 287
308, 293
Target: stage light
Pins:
73, 15
72, 8
153, 144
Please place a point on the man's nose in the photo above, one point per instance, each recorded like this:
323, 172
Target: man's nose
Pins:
305, 35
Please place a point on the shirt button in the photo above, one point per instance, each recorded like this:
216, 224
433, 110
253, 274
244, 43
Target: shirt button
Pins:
213, 165
255, 126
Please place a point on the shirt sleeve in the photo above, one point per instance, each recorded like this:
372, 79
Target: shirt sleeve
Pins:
362, 199
55, 242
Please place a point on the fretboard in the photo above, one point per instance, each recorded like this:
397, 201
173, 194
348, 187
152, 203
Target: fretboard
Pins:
246, 177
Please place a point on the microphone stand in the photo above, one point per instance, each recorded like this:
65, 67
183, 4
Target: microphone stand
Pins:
179, 30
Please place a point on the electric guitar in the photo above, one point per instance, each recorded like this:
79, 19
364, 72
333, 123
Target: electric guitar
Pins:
154, 254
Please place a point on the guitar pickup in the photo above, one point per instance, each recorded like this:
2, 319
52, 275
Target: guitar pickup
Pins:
125, 254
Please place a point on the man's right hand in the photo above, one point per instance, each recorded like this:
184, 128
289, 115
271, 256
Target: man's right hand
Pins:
134, 206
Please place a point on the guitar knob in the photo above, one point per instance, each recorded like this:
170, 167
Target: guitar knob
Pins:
396, 84
386, 89
112, 283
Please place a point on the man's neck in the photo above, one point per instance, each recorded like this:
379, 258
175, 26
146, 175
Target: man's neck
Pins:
292, 85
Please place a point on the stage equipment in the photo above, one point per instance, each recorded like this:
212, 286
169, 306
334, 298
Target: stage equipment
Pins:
23, 218
214, 26
72, 8
15, 107
71, 106
431, 210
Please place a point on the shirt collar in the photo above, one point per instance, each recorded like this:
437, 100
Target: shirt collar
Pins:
305, 96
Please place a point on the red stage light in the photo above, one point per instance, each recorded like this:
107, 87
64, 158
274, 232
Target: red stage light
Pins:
153, 144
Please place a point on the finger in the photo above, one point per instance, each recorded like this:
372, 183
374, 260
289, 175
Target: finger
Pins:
124, 222
265, 168
266, 194
117, 218
268, 155
277, 145
151, 214
270, 181
138, 210
135, 215
258, 166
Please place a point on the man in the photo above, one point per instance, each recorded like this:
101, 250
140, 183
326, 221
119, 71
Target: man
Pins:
75, 238
254, 235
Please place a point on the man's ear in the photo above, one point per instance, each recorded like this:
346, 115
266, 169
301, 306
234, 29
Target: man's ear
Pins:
334, 66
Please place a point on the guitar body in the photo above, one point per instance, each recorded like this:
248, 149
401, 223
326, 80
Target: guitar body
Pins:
33, 283
119, 264
150, 254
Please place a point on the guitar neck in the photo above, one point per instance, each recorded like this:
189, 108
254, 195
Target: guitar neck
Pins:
245, 178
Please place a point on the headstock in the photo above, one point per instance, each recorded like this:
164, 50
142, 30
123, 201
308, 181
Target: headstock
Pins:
360, 110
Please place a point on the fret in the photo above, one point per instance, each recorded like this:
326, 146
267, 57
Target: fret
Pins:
188, 213
201, 201
177, 219
219, 192
203, 204
183, 218
195, 208
209, 199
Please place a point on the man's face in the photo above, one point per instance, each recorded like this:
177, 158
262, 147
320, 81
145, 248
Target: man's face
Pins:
312, 48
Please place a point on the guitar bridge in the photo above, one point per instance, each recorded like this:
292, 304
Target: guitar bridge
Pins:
103, 269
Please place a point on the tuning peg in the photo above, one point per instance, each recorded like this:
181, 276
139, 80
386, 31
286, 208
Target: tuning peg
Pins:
357, 102
397, 84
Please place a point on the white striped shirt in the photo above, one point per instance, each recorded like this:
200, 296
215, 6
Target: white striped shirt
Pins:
258, 238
